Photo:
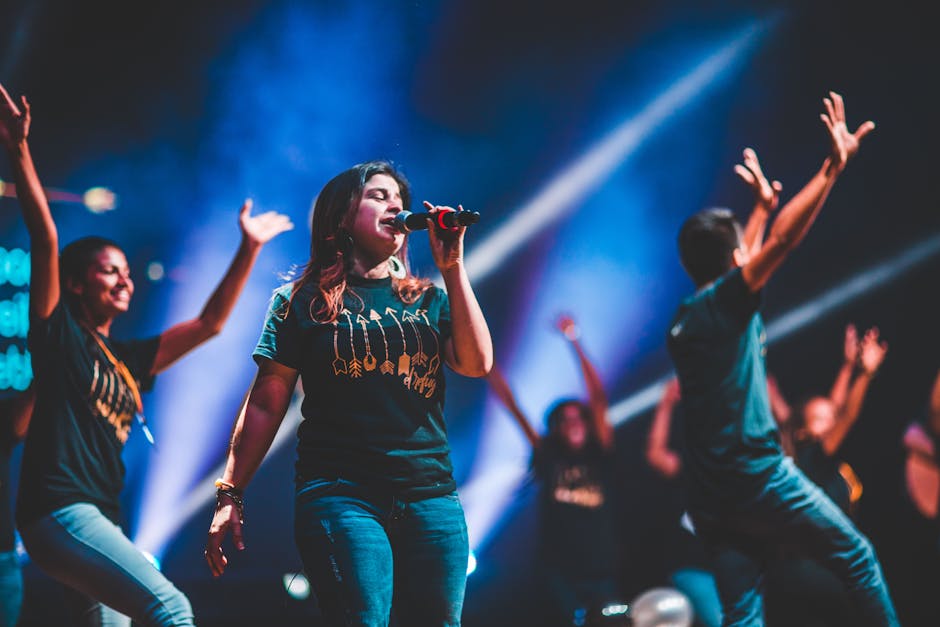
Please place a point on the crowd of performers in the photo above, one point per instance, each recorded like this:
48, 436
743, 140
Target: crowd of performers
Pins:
378, 523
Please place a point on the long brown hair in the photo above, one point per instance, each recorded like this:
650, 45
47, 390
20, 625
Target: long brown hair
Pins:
331, 244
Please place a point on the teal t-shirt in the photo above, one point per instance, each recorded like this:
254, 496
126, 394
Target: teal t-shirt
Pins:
373, 385
717, 343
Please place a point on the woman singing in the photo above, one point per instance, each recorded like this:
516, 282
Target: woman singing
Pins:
377, 519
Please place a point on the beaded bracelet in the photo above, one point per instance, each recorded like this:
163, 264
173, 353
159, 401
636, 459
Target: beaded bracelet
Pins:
236, 498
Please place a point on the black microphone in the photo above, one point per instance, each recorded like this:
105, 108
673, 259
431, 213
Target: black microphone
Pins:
406, 221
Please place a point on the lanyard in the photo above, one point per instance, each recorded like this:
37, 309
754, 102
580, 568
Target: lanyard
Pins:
125, 374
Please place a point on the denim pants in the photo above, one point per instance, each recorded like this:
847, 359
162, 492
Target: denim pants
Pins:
111, 581
790, 510
699, 586
11, 589
366, 551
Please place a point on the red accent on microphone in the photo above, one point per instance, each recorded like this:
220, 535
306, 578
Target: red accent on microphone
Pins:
440, 220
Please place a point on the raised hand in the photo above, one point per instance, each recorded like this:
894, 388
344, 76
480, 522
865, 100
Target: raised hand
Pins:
672, 393
766, 194
14, 121
850, 349
446, 246
263, 227
844, 142
871, 351
567, 326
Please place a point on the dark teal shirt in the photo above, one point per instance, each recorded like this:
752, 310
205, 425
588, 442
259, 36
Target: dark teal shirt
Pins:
717, 342
373, 386
82, 417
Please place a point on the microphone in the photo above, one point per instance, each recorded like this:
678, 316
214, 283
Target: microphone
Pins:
445, 220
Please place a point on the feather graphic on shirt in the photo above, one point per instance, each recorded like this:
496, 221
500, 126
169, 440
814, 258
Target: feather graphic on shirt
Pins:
355, 366
420, 358
404, 361
368, 362
435, 362
387, 367
339, 364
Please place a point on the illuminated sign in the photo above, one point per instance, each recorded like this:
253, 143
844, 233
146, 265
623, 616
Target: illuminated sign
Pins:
16, 371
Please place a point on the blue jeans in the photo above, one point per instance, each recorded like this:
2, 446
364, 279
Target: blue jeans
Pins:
110, 579
11, 589
789, 510
366, 551
699, 586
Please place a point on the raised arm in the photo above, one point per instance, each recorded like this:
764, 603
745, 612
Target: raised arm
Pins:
918, 443
254, 431
871, 355
660, 457
504, 393
469, 350
798, 215
840, 387
766, 197
597, 396
43, 237
185, 336
934, 417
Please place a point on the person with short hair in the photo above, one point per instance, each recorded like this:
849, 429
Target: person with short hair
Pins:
746, 497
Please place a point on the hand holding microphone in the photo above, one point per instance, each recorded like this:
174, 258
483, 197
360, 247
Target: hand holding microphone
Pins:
446, 238
445, 219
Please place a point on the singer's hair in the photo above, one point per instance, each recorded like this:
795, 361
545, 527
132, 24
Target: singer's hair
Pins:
74, 261
331, 244
707, 241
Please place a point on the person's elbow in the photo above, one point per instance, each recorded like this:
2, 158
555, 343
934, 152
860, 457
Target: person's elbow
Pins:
475, 367
478, 369
655, 461
486, 365
209, 327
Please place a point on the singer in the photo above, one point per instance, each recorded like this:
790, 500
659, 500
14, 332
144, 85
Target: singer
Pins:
376, 513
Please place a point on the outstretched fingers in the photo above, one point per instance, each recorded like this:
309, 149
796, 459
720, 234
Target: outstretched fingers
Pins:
752, 174
746, 175
9, 105
245, 211
751, 161
864, 129
831, 110
264, 226
838, 104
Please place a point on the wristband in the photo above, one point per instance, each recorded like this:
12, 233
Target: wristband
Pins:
236, 498
222, 484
